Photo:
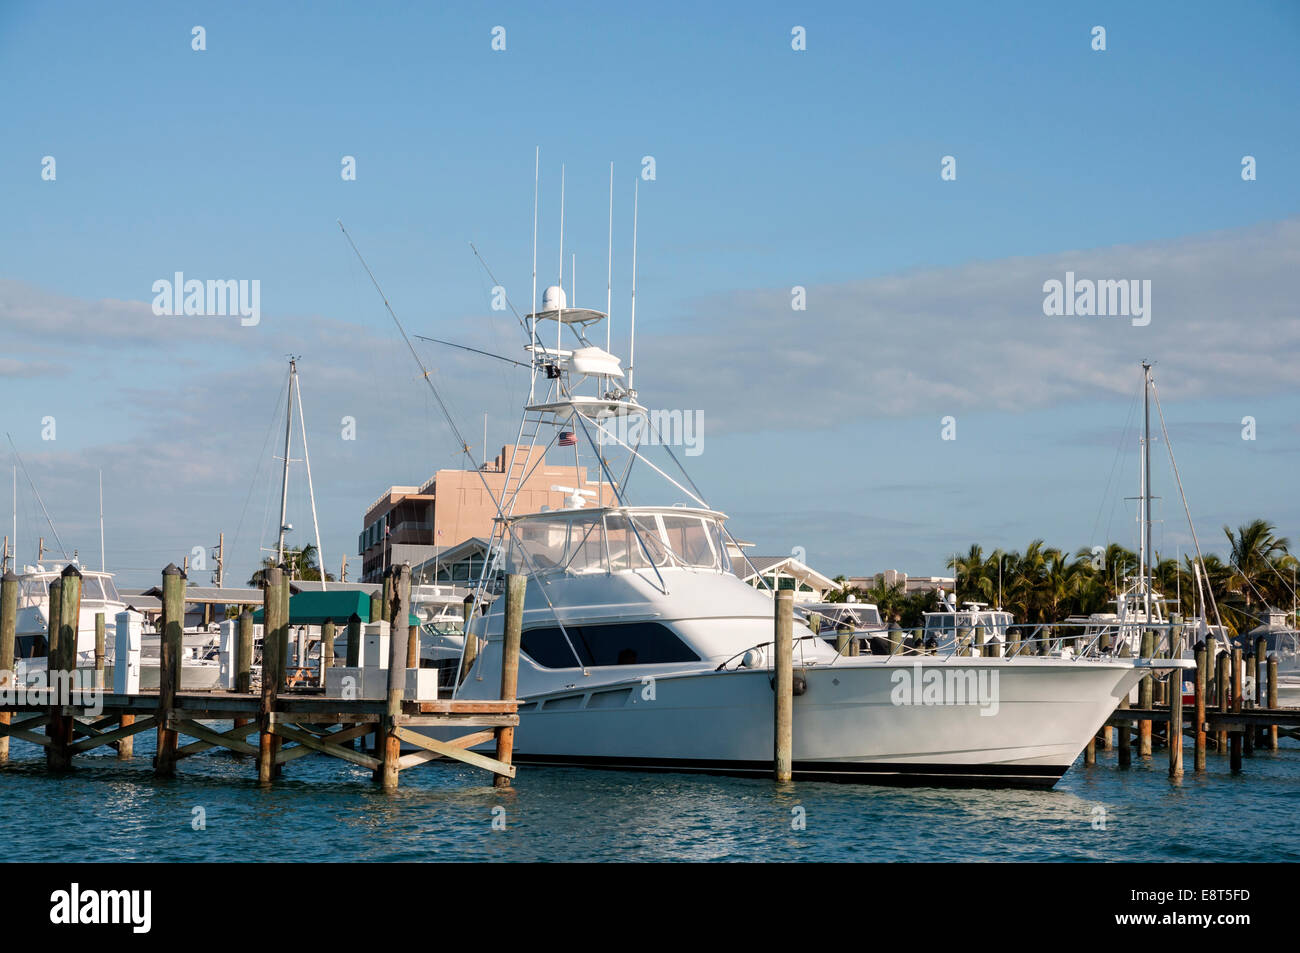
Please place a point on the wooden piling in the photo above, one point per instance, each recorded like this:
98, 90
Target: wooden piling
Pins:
244, 653
386, 597
783, 709
126, 746
1261, 686
272, 623
61, 667
98, 683
1235, 742
354, 640
1202, 674
8, 628
1146, 695
1174, 732
1013, 643
413, 646
1248, 734
843, 639
1125, 729
1221, 694
978, 649
1272, 700
170, 650
326, 648
399, 611
243, 683
514, 625
470, 652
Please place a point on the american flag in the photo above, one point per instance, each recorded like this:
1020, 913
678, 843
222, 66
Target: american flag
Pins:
568, 438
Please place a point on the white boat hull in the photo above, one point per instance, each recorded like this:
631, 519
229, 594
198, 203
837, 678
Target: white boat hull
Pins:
848, 724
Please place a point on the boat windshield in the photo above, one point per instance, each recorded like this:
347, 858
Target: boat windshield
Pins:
578, 542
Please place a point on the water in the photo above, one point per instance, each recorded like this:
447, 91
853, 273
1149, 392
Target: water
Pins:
327, 810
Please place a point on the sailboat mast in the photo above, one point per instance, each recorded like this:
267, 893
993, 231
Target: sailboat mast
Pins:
1146, 480
284, 476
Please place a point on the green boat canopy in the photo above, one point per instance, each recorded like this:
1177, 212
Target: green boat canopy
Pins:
316, 608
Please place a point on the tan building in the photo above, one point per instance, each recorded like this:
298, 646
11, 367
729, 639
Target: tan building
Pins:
412, 523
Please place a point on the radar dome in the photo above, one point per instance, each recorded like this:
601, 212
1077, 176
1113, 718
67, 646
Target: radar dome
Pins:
553, 299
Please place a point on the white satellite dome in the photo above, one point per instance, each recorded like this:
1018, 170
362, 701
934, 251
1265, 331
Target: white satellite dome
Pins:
553, 299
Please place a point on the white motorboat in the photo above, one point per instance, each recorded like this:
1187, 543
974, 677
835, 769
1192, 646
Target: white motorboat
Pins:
98, 594
642, 650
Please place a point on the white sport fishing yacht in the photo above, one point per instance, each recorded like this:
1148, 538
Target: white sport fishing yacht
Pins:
98, 594
642, 650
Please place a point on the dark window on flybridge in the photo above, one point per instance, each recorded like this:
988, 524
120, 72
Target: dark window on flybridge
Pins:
627, 643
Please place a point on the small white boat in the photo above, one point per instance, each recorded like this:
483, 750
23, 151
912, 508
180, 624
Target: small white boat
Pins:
98, 594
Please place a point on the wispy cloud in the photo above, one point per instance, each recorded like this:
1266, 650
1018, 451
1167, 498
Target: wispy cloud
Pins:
1223, 322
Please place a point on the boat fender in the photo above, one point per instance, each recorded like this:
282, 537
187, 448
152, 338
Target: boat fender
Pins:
798, 683
879, 645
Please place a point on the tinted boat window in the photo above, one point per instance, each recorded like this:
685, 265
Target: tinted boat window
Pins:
631, 643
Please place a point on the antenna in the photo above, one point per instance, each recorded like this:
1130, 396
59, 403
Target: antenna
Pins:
573, 278
102, 566
532, 321
631, 354
559, 316
609, 280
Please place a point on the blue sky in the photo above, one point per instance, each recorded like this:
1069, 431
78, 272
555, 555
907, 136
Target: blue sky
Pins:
774, 168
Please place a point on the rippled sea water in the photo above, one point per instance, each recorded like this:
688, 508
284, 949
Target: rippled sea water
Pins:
326, 810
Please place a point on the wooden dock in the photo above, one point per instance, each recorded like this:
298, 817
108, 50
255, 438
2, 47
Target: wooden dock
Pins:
1221, 717
74, 714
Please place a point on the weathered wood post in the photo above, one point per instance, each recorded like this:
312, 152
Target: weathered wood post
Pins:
1013, 642
1225, 667
244, 653
1236, 706
1126, 728
516, 586
244, 659
326, 648
1202, 672
412, 646
895, 641
386, 599
399, 629
1261, 685
354, 640
843, 639
1175, 734
282, 657
98, 683
170, 648
978, 651
52, 657
61, 667
470, 652
1272, 699
1223, 676
1146, 695
1248, 731
8, 626
272, 623
376, 609
783, 709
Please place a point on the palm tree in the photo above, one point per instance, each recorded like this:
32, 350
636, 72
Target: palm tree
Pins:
1254, 551
301, 562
